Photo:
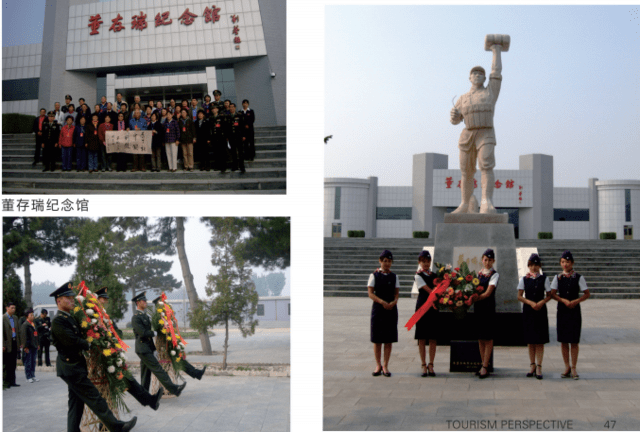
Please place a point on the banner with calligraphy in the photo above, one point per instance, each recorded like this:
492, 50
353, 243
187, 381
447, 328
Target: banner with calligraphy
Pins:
135, 142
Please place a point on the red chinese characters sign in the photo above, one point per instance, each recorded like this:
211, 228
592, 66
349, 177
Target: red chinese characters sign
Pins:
94, 23
508, 184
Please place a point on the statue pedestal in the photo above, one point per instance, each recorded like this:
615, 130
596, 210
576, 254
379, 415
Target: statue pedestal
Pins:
464, 237
465, 357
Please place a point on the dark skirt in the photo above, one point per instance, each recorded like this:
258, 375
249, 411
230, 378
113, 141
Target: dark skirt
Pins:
426, 327
569, 324
384, 324
485, 313
536, 325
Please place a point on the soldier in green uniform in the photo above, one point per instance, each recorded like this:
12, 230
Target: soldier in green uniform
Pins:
145, 347
134, 387
189, 369
71, 366
217, 102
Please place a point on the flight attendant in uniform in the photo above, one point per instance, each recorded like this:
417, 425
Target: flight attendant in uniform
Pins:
426, 327
71, 366
485, 309
384, 290
145, 347
534, 291
569, 289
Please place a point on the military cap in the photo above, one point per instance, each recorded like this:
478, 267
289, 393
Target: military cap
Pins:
386, 254
535, 259
217, 92
424, 254
68, 97
157, 299
489, 254
64, 291
44, 311
567, 255
479, 69
141, 296
102, 292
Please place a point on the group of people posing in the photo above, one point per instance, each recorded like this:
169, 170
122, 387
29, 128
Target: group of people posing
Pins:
568, 288
206, 133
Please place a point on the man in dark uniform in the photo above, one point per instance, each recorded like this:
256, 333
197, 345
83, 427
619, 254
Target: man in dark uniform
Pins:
71, 366
10, 344
235, 132
145, 347
217, 102
67, 101
188, 367
50, 136
218, 140
249, 134
134, 387
43, 327
37, 129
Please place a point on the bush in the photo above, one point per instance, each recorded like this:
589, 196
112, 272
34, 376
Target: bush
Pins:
355, 233
17, 123
545, 235
421, 234
607, 236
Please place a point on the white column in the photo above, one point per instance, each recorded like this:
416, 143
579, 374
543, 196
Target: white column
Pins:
212, 83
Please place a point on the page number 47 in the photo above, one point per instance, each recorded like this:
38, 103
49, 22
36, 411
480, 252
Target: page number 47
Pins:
610, 424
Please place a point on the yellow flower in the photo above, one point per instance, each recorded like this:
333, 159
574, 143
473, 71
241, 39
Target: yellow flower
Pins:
90, 305
84, 324
96, 315
164, 331
446, 299
89, 339
159, 309
475, 281
118, 346
168, 337
161, 322
109, 333
107, 352
459, 278
441, 268
177, 359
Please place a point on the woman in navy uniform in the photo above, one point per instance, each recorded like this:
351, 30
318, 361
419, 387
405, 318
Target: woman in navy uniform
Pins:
485, 309
569, 289
534, 292
426, 326
384, 290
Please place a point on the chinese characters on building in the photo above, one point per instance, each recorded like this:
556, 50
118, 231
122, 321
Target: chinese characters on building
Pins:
139, 21
40, 205
508, 184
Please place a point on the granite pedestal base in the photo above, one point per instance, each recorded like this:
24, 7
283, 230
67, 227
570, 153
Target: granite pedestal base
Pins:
465, 357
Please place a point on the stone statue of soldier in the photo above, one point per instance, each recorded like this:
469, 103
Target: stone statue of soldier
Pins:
478, 140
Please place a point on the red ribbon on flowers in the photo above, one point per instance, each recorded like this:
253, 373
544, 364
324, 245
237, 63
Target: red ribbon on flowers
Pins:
102, 315
169, 322
442, 287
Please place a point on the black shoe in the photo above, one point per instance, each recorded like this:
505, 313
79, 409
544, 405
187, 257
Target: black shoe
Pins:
242, 171
539, 376
531, 374
377, 373
425, 374
431, 373
14, 385
483, 376
202, 372
45, 170
33, 164
387, 374
156, 403
129, 425
180, 388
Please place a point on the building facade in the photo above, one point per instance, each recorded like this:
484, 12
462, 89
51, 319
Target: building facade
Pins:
158, 49
527, 195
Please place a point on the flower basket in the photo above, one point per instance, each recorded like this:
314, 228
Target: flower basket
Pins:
165, 362
164, 322
90, 422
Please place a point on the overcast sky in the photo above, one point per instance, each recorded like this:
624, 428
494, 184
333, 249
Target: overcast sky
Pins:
570, 88
197, 237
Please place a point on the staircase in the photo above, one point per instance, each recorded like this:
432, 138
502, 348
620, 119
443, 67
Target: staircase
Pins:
610, 267
265, 175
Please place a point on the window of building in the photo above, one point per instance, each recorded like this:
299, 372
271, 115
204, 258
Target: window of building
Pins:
627, 205
571, 215
227, 85
336, 206
393, 213
288, 308
20, 89
260, 310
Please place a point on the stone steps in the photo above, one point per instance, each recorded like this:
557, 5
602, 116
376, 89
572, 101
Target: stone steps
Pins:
611, 268
266, 174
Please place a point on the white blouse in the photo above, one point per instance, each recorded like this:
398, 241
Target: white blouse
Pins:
581, 282
372, 281
547, 287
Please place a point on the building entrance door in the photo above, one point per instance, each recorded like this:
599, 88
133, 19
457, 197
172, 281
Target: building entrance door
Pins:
336, 230
628, 232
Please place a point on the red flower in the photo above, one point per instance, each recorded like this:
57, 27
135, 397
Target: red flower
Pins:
447, 276
480, 289
469, 278
474, 297
454, 275
450, 302
457, 269
467, 302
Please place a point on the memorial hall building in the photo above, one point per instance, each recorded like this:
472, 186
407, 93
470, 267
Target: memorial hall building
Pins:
528, 195
158, 49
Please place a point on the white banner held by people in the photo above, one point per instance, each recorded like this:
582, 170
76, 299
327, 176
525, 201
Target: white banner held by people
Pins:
135, 142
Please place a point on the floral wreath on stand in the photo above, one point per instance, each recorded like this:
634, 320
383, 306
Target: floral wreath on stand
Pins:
165, 322
456, 290
104, 343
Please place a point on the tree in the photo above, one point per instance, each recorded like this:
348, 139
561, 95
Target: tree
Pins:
11, 285
236, 299
170, 234
28, 239
268, 240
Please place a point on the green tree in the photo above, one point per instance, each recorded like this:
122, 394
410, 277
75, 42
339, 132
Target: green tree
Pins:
29, 239
235, 300
11, 285
170, 234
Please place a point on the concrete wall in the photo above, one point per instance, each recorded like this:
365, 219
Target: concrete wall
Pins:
425, 216
355, 205
539, 216
21, 61
611, 197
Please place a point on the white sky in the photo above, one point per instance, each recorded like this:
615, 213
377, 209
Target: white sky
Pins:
197, 237
570, 87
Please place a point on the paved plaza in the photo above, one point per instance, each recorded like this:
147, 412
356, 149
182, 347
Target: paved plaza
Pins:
608, 390
224, 404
